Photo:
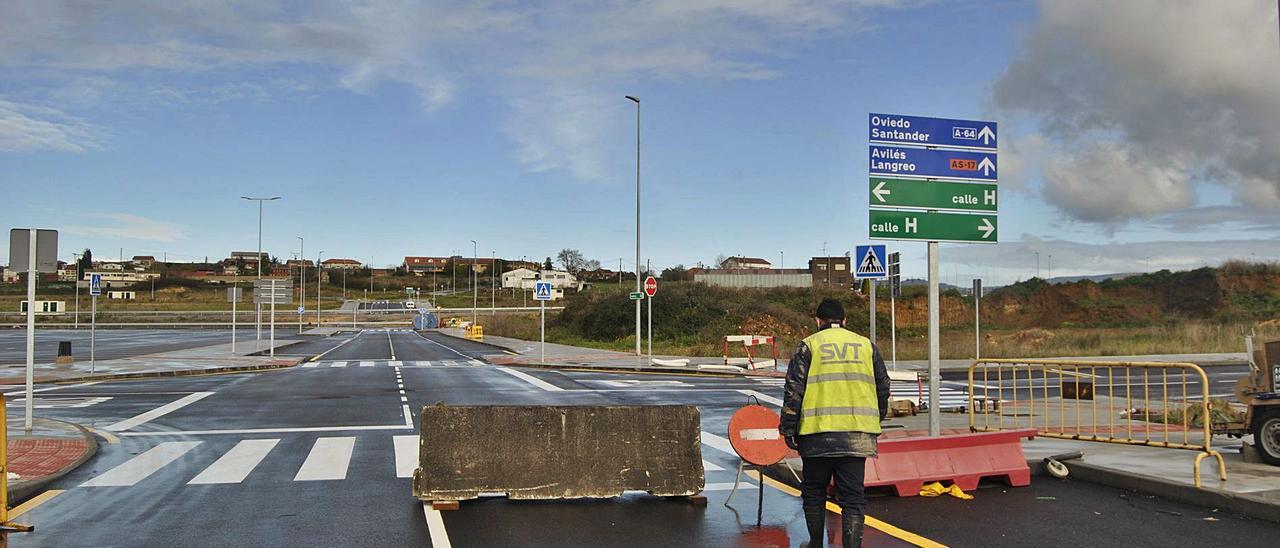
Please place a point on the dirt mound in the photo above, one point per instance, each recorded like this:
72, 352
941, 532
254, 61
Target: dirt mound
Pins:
1026, 338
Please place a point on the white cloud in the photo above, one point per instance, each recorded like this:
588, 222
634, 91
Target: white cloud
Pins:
130, 227
1173, 95
30, 128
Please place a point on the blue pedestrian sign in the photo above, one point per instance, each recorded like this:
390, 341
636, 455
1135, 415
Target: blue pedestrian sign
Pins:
95, 285
872, 262
941, 164
542, 291
922, 131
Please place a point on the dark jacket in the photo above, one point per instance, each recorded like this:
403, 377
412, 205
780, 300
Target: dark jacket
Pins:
828, 444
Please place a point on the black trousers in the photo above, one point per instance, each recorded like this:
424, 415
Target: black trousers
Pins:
849, 473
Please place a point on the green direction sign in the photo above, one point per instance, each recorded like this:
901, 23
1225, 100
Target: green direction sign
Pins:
637, 296
930, 226
943, 195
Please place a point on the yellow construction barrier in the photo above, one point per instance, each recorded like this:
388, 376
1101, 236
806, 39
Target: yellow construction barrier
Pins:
6, 526
1114, 402
475, 332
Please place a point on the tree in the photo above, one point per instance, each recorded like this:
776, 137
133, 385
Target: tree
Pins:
85, 263
570, 259
547, 265
591, 265
720, 259
677, 273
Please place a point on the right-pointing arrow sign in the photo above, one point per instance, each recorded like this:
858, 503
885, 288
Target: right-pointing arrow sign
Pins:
986, 227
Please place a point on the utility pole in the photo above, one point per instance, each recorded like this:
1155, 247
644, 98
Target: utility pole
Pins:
475, 291
258, 307
318, 276
637, 102
302, 279
493, 283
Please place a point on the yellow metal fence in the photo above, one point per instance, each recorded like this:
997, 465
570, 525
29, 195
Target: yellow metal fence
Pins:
1139, 403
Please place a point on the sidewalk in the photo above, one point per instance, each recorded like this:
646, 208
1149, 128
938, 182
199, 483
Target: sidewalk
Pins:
205, 359
1204, 360
528, 353
52, 450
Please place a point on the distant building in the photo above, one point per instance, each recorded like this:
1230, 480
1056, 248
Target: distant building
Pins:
10, 276
108, 266
482, 264
117, 278
743, 263
122, 295
598, 275
831, 272
520, 278
67, 272
419, 266
342, 264
523, 278
560, 279
296, 263
513, 265
754, 277
144, 261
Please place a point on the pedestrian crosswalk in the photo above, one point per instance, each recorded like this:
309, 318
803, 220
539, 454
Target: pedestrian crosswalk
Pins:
328, 458
392, 363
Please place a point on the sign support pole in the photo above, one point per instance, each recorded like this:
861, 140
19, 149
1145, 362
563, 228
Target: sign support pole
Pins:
273, 318
977, 330
893, 327
648, 267
872, 285
935, 420
93, 335
32, 272
542, 332
234, 298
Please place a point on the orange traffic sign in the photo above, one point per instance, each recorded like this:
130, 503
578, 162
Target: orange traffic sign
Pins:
753, 433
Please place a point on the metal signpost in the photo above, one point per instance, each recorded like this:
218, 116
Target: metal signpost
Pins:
650, 289
234, 294
95, 289
871, 266
895, 291
977, 319
542, 294
272, 291
36, 251
907, 154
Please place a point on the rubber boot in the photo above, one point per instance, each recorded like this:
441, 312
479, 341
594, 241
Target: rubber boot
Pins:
815, 520
851, 532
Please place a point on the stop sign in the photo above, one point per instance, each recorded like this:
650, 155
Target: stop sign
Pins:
651, 286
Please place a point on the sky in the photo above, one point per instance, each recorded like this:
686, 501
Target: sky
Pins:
1134, 135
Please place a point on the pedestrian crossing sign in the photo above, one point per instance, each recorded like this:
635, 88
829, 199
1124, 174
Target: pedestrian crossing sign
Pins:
872, 263
542, 291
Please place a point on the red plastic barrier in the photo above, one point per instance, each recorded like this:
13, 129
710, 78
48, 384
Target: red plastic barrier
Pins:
907, 464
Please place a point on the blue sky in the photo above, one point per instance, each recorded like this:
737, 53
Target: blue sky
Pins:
395, 128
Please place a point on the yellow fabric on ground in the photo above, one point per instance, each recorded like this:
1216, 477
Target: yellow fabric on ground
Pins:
936, 489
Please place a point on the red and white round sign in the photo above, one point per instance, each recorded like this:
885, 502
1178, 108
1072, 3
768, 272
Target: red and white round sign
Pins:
651, 286
753, 433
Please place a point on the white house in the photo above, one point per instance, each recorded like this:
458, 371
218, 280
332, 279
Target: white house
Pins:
520, 278
523, 278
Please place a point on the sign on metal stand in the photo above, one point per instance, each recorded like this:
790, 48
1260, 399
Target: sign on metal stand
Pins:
895, 291
35, 251
542, 294
95, 290
977, 319
650, 289
871, 267
907, 156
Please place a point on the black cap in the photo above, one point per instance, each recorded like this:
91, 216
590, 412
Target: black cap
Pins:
830, 310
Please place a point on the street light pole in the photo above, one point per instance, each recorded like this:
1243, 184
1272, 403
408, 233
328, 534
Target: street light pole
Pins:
258, 306
302, 278
493, 282
318, 275
637, 102
76, 256
475, 293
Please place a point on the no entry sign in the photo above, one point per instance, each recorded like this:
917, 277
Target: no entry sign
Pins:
753, 433
651, 286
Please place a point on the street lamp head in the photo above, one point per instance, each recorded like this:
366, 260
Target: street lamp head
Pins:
633, 98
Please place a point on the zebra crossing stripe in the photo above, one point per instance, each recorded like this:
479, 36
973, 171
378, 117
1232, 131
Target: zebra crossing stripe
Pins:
338, 364
718, 443
394, 363
406, 455
138, 468
311, 364
328, 459
236, 464
366, 364
710, 466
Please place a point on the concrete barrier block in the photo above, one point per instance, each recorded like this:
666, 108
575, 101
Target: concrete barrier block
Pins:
556, 452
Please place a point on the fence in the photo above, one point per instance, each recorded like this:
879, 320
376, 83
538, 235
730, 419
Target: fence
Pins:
1097, 401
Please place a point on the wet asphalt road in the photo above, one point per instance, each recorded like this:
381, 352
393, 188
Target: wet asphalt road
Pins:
117, 343
308, 457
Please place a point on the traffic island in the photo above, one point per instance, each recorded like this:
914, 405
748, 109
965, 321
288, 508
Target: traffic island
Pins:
52, 450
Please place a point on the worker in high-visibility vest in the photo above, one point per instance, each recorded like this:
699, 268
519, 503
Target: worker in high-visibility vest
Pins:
837, 392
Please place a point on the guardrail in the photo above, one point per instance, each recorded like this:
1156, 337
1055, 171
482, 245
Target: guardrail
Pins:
1035, 394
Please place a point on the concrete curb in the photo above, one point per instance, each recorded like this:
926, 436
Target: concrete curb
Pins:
279, 364
19, 493
1241, 503
489, 344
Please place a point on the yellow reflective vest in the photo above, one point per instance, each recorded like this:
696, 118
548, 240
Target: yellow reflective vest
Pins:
840, 391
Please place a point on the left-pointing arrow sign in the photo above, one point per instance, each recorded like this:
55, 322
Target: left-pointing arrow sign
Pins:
880, 192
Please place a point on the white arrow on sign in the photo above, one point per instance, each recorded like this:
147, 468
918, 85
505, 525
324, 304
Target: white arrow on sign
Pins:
986, 227
986, 166
880, 192
987, 135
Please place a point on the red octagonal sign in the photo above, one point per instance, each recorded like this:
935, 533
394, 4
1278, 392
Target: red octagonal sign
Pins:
753, 433
651, 286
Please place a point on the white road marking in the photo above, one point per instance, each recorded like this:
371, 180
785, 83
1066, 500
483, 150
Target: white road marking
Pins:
722, 486
138, 468
710, 466
340, 345
311, 364
158, 412
763, 397
718, 443
393, 363
366, 364
391, 345
408, 416
23, 392
269, 430
338, 364
406, 455
328, 460
435, 526
236, 464
531, 380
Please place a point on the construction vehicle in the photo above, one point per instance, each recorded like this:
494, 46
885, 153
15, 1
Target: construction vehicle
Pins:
1259, 392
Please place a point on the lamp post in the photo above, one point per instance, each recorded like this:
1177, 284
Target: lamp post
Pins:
302, 278
258, 307
475, 292
318, 272
493, 283
77, 256
637, 102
